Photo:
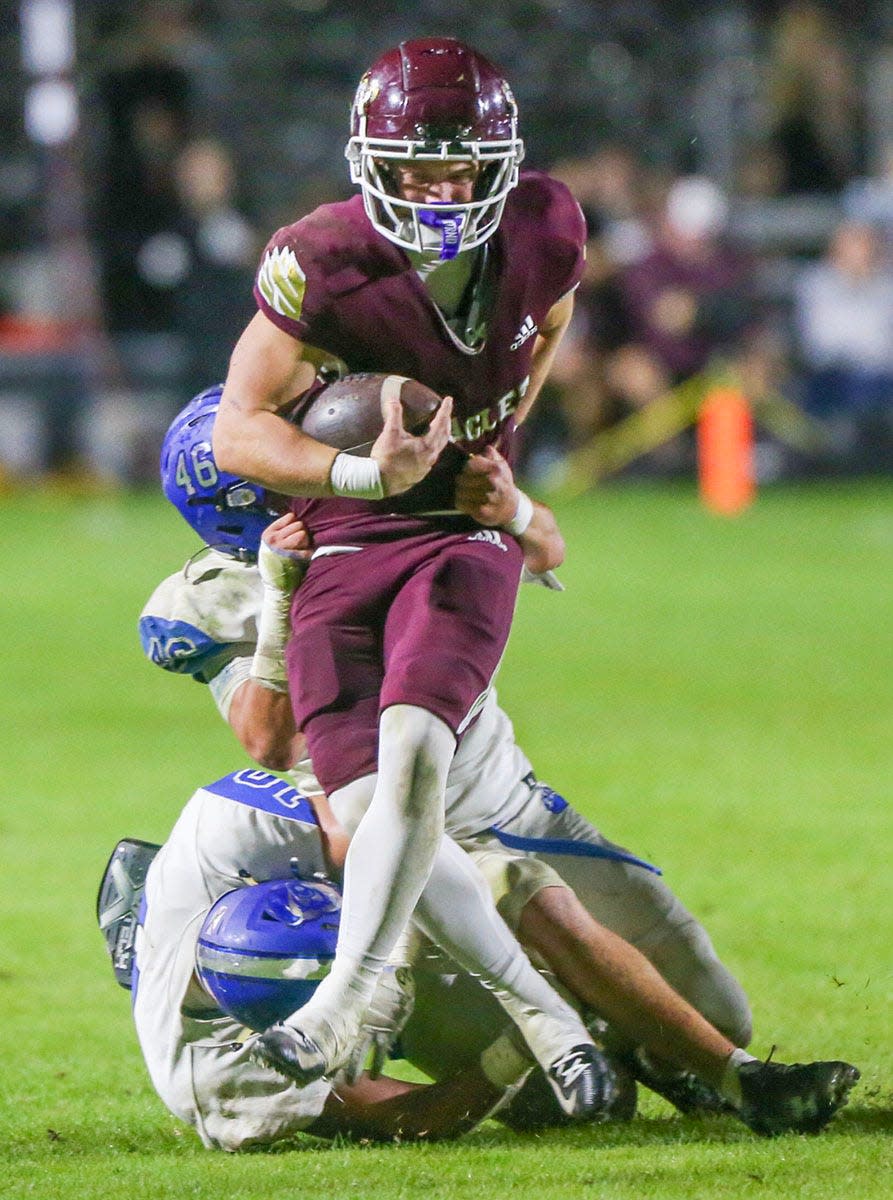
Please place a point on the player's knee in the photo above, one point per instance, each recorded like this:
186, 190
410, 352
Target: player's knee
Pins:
414, 726
218, 1136
726, 1007
415, 751
552, 912
723, 999
518, 883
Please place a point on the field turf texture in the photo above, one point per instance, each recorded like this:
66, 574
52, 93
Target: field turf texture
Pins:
715, 693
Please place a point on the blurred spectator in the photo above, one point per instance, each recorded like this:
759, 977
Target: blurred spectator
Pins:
575, 403
645, 324
816, 111
844, 324
43, 392
146, 102
868, 200
760, 173
220, 249
145, 91
614, 191
687, 300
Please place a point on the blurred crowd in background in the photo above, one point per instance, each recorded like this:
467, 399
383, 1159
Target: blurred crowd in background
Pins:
734, 163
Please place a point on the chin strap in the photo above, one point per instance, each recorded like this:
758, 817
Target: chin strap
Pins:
449, 223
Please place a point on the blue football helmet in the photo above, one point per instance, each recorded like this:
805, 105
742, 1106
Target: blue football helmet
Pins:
263, 949
226, 512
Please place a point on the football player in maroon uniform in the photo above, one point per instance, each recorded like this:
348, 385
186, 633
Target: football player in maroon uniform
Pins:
455, 269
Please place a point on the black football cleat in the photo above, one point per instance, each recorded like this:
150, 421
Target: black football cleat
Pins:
793, 1098
583, 1082
536, 1107
691, 1096
291, 1053
685, 1091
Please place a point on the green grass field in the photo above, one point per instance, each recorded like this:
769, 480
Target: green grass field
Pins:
716, 694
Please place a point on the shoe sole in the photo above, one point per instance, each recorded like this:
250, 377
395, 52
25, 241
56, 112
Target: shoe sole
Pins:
266, 1056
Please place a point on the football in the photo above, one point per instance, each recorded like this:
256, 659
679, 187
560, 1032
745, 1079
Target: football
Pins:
349, 412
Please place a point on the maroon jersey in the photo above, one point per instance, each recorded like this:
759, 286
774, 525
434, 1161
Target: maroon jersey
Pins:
332, 281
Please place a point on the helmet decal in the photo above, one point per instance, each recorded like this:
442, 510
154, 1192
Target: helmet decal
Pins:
226, 512
263, 948
367, 91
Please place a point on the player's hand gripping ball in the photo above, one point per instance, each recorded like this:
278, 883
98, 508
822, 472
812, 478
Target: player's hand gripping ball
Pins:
349, 413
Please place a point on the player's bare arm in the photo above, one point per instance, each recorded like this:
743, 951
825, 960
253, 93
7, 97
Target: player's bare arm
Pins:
545, 348
268, 370
542, 542
334, 838
263, 722
390, 1110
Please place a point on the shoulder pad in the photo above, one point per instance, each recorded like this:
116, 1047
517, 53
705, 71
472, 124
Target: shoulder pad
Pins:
553, 207
180, 647
194, 619
325, 254
260, 789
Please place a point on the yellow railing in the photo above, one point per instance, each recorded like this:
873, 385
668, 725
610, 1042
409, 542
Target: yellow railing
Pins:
648, 428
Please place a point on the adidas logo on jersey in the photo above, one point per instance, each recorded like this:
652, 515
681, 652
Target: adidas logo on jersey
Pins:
528, 328
490, 536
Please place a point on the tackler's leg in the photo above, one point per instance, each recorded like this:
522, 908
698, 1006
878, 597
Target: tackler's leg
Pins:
457, 912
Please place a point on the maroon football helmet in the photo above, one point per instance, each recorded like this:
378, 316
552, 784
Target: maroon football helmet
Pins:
434, 100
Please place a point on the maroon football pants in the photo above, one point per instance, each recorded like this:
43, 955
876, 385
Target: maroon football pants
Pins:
420, 620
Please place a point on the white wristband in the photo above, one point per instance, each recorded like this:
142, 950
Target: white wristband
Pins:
523, 516
280, 574
356, 477
269, 673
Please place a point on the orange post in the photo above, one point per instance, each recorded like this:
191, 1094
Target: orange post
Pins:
725, 451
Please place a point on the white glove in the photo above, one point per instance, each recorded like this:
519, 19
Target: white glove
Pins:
547, 579
280, 574
389, 1010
